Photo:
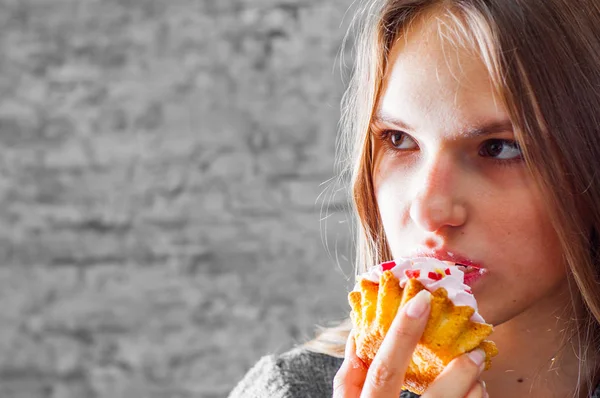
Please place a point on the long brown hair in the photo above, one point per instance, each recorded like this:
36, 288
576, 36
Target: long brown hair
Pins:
543, 57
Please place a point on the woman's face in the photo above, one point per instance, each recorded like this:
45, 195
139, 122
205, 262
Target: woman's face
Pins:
450, 181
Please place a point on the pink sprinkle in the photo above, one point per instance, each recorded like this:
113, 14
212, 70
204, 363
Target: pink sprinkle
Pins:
469, 291
388, 265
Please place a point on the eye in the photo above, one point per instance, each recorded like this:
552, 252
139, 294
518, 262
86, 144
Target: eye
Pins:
400, 140
501, 149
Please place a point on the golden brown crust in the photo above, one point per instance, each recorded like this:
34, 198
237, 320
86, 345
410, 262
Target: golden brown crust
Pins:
449, 331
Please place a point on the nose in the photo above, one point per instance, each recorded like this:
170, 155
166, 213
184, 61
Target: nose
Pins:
438, 201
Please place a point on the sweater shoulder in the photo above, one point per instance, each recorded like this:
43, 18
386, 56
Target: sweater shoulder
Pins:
296, 373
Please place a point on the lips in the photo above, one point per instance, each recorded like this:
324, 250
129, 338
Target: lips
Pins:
451, 257
472, 270
475, 274
465, 268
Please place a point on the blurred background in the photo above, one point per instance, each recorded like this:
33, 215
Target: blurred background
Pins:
160, 170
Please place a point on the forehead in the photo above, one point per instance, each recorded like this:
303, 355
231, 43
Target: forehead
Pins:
434, 75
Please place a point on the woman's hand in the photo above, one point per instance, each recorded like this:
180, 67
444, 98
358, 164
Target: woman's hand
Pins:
385, 376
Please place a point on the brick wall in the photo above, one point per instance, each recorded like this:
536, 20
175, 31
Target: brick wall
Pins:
159, 173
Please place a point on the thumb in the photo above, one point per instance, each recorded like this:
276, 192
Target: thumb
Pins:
350, 378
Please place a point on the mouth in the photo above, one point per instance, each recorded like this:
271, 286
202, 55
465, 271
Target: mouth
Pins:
452, 258
467, 269
472, 273
472, 270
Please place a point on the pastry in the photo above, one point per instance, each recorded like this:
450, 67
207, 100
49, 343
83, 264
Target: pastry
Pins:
454, 326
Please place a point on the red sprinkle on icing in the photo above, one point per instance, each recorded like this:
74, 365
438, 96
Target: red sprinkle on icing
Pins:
434, 275
447, 271
469, 291
413, 273
388, 265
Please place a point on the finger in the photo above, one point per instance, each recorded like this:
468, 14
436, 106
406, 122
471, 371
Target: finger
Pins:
459, 377
386, 373
350, 378
478, 390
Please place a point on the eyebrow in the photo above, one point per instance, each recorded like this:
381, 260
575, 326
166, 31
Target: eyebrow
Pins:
487, 128
381, 117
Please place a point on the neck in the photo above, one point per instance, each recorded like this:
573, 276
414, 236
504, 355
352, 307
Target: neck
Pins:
537, 357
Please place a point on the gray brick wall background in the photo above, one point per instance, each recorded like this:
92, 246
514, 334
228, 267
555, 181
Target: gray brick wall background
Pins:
160, 163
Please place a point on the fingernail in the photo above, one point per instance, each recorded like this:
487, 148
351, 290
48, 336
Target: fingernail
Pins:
477, 356
419, 304
485, 393
349, 344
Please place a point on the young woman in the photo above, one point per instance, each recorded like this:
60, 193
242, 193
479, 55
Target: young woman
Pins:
474, 132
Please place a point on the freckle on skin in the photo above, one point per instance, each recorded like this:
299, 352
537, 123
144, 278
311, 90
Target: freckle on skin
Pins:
520, 380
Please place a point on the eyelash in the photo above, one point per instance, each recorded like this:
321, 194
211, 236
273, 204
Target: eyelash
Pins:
384, 136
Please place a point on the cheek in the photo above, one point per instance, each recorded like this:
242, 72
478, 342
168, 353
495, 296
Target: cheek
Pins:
521, 214
541, 244
521, 232
393, 204
393, 207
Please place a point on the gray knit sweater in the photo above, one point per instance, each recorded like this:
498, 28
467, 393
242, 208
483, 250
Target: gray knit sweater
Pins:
298, 373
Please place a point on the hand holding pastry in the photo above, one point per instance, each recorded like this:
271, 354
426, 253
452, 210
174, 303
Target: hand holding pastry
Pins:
413, 321
386, 374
